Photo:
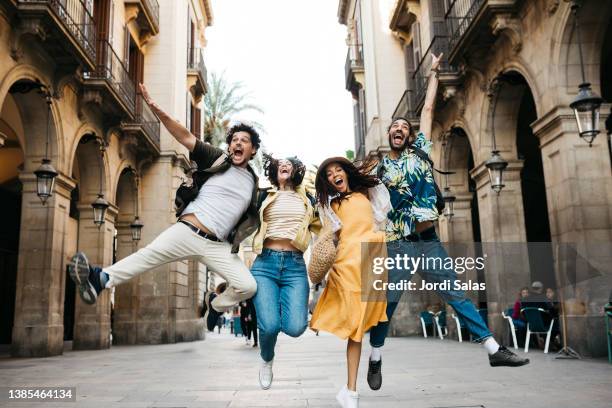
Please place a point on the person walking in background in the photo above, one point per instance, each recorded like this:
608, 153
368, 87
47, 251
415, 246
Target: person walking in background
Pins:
244, 313
287, 218
211, 225
211, 316
251, 322
355, 204
407, 171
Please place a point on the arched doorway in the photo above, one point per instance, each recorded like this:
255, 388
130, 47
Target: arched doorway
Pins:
514, 113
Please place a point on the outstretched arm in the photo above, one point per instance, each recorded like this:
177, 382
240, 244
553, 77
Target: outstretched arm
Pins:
178, 131
430, 97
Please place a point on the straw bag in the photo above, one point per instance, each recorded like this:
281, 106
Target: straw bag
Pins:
322, 256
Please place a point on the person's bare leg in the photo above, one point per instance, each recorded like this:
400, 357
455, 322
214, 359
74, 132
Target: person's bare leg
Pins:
353, 355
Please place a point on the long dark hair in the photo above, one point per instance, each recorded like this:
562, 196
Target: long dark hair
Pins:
359, 180
270, 166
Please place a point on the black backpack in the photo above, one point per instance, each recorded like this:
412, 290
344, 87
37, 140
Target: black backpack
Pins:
440, 204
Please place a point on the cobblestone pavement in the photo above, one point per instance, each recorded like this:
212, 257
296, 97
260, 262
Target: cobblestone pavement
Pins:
222, 372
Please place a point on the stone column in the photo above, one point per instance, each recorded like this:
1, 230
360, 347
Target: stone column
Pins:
38, 330
579, 192
502, 225
92, 322
126, 294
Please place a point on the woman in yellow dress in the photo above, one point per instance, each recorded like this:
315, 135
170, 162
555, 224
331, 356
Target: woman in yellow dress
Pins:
356, 204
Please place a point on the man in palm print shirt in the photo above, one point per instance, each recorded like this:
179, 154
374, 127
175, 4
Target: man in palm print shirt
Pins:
411, 232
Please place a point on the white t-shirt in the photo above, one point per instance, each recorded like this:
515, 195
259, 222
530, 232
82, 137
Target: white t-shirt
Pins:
222, 200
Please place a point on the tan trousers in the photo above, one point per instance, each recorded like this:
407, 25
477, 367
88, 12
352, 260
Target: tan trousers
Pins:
179, 242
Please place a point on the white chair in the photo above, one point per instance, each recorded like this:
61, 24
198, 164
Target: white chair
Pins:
512, 329
442, 330
535, 324
427, 320
459, 327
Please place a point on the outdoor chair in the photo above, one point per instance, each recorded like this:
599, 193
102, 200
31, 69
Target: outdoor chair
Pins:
440, 323
426, 321
536, 325
507, 314
460, 327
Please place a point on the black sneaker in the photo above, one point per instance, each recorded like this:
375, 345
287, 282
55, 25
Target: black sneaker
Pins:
505, 357
374, 374
211, 316
87, 279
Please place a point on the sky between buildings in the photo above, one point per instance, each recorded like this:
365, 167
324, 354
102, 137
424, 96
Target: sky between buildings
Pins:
290, 55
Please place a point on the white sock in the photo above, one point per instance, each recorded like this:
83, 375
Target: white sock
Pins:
376, 354
491, 345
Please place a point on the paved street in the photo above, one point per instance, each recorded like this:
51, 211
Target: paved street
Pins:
222, 372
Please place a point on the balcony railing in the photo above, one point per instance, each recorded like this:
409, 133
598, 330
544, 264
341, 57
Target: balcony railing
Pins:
151, 10
149, 122
195, 63
111, 69
439, 44
75, 16
459, 16
354, 63
406, 106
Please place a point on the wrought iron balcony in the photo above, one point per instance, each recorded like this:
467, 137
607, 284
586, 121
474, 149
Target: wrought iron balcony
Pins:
148, 18
70, 27
406, 106
112, 77
197, 67
468, 23
353, 65
145, 126
439, 44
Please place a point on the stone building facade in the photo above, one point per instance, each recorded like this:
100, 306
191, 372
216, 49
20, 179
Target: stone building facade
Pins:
102, 138
510, 70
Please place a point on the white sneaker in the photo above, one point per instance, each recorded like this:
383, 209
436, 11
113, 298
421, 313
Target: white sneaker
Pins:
266, 375
248, 342
348, 398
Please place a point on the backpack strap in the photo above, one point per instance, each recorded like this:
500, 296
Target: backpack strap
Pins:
425, 157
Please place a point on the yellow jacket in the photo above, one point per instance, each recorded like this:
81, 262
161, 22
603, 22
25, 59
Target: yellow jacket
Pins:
311, 222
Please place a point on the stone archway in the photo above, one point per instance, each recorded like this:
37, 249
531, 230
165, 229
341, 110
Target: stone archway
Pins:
90, 171
36, 261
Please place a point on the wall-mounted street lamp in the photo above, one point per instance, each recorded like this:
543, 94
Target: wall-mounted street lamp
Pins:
587, 103
100, 205
496, 164
136, 225
46, 173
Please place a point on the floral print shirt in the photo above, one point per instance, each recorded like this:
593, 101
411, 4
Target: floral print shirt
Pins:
411, 187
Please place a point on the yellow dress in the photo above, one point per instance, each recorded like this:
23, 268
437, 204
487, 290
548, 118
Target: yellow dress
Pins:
344, 309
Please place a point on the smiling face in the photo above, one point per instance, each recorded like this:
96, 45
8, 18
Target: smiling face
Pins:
399, 134
337, 177
285, 171
241, 149
524, 293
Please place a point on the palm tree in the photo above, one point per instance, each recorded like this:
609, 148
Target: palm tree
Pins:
223, 101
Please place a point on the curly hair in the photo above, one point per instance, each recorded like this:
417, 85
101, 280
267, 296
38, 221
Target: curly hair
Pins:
359, 177
243, 127
270, 166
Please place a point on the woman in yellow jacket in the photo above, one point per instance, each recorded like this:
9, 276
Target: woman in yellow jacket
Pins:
287, 218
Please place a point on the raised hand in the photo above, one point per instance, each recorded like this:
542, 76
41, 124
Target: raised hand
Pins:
145, 94
435, 61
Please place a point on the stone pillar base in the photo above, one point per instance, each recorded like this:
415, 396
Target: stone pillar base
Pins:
37, 341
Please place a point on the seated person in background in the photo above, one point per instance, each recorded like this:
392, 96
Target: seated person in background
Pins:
553, 304
517, 318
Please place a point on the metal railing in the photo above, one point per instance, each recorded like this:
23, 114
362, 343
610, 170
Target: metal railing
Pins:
195, 62
111, 69
439, 44
406, 106
77, 17
459, 16
147, 119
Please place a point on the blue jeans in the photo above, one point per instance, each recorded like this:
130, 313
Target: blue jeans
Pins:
428, 246
281, 300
